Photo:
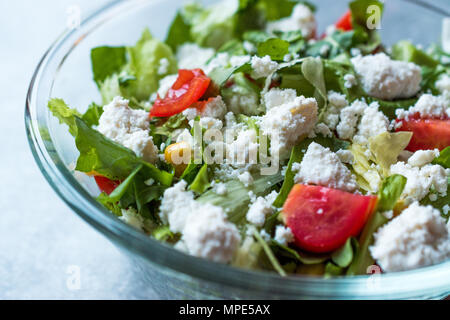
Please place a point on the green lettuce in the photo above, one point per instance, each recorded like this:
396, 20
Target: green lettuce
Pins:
388, 196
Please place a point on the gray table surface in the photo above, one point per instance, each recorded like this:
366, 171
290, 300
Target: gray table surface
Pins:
46, 251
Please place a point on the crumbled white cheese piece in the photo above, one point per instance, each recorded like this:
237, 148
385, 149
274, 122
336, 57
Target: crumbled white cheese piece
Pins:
220, 188
346, 156
287, 123
191, 56
417, 237
246, 178
302, 18
428, 106
283, 235
372, 123
128, 127
420, 180
183, 135
260, 209
336, 102
208, 234
242, 150
349, 117
263, 67
163, 66
350, 81
322, 128
204, 227
446, 209
131, 217
277, 97
323, 167
422, 157
214, 108
387, 79
443, 84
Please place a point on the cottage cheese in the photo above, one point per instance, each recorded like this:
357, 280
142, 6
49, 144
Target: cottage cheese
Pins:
421, 179
129, 128
422, 157
287, 123
418, 237
283, 235
428, 106
263, 67
260, 209
209, 235
302, 18
323, 167
372, 123
205, 229
387, 79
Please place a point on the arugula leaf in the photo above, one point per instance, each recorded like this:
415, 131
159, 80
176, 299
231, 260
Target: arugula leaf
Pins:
444, 158
388, 196
343, 256
179, 32
312, 69
92, 114
275, 48
390, 192
107, 61
283, 251
406, 51
201, 182
64, 114
273, 260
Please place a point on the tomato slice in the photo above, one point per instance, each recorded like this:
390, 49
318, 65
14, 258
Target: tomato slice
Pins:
427, 133
322, 219
106, 185
189, 87
345, 22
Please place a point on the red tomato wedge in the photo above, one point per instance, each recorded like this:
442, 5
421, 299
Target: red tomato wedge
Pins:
106, 185
322, 219
345, 22
427, 133
189, 87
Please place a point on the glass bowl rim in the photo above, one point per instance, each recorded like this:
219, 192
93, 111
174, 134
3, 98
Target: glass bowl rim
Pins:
422, 281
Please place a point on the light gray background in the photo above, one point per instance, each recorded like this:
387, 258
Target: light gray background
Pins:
41, 240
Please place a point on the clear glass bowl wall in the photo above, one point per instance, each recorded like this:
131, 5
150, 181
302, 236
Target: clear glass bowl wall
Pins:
65, 72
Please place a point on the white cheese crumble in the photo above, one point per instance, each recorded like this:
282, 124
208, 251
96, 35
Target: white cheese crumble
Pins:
350, 81
191, 56
129, 128
346, 156
323, 167
349, 117
387, 79
428, 106
302, 18
422, 157
263, 67
205, 229
260, 209
214, 108
287, 123
246, 178
336, 102
418, 237
283, 235
277, 97
209, 235
421, 179
372, 123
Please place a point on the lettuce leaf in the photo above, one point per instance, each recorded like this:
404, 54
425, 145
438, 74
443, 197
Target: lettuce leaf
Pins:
444, 158
107, 61
405, 51
92, 114
275, 48
312, 69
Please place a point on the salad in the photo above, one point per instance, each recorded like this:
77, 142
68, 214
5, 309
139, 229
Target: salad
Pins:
247, 137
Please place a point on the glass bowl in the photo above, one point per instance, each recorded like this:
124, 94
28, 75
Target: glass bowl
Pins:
65, 71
